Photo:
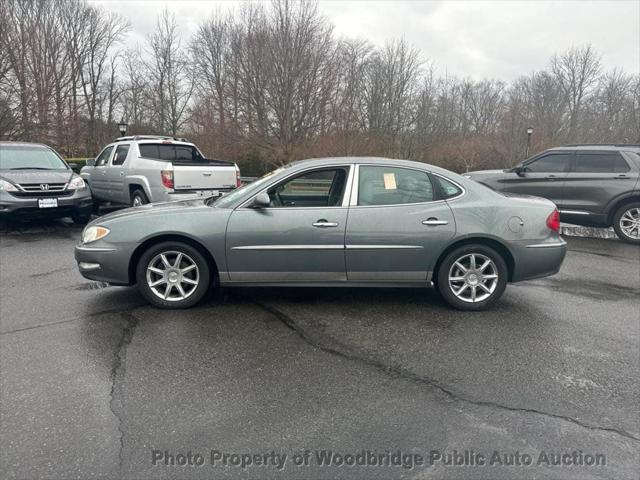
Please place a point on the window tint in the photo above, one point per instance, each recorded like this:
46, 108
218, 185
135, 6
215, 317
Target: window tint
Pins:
552, 163
319, 188
393, 186
121, 155
170, 152
600, 163
447, 189
104, 156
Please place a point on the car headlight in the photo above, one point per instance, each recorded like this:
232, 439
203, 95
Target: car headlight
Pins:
76, 183
7, 187
91, 234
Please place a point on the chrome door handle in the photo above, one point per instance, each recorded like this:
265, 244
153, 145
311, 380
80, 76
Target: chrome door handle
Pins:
621, 177
324, 224
434, 222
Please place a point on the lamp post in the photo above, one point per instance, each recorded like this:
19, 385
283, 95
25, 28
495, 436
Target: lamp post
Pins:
529, 132
122, 127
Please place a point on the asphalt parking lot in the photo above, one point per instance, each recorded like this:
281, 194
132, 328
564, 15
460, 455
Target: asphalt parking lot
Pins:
93, 380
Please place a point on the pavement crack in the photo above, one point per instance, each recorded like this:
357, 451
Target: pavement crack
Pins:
348, 352
118, 372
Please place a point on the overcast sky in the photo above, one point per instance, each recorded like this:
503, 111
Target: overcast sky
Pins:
500, 39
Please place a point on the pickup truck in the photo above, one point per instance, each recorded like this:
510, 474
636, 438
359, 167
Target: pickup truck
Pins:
141, 169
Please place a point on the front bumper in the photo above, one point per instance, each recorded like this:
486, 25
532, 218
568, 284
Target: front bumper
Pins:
538, 259
78, 202
104, 263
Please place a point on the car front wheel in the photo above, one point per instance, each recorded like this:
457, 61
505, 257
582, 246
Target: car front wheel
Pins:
472, 277
626, 223
173, 275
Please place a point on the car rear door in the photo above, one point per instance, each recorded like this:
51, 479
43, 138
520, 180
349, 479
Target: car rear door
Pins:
397, 225
543, 176
596, 178
115, 174
300, 237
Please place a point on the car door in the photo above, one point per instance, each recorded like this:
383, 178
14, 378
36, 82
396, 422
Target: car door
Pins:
543, 176
115, 174
397, 225
299, 237
98, 179
594, 180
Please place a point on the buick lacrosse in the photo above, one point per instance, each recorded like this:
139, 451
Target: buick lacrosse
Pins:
352, 221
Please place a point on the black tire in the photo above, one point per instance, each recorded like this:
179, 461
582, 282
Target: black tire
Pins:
138, 197
497, 287
170, 250
634, 209
81, 218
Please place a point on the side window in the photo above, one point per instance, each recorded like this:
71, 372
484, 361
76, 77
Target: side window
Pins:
121, 155
448, 189
319, 188
393, 186
606, 162
103, 158
552, 163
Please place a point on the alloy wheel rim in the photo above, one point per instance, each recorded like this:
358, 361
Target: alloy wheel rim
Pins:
137, 201
172, 276
630, 223
473, 277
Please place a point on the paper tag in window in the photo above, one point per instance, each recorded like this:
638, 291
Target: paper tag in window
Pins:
390, 181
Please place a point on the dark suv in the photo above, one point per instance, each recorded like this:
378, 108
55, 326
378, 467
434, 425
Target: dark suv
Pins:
36, 182
592, 185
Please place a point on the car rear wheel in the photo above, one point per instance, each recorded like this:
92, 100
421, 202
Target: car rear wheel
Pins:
626, 223
138, 197
472, 277
173, 275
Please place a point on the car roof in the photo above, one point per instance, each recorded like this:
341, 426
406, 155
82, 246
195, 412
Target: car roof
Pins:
370, 161
599, 146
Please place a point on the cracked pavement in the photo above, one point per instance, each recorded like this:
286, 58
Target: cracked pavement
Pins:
92, 379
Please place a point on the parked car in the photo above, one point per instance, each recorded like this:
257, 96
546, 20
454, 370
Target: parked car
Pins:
592, 185
331, 222
141, 169
36, 182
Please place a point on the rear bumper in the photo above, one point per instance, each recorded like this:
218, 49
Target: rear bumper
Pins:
536, 260
78, 202
103, 264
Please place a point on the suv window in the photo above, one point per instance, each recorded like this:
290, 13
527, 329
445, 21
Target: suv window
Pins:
121, 155
170, 152
551, 163
103, 158
393, 186
605, 162
319, 188
448, 189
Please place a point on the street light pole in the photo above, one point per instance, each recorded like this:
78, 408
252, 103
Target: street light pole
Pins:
529, 132
122, 128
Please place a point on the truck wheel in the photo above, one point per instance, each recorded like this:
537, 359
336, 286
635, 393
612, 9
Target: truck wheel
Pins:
138, 198
626, 223
173, 275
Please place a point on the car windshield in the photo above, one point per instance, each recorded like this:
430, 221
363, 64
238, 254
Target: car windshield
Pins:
29, 157
229, 199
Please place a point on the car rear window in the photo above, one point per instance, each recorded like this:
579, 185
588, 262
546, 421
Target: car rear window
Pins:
170, 152
609, 162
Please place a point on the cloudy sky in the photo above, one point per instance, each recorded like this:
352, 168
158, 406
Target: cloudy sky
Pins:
500, 39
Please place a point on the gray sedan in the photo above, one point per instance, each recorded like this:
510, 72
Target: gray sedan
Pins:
352, 221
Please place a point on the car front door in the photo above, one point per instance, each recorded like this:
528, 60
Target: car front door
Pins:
543, 176
595, 179
397, 225
299, 237
98, 179
115, 175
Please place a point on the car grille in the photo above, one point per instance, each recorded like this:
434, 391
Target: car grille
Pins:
42, 190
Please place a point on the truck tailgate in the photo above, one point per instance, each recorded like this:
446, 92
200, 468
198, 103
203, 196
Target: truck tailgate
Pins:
204, 177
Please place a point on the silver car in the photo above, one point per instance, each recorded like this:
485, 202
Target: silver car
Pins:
352, 221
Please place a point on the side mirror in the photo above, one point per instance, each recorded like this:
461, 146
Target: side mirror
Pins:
91, 162
261, 201
519, 170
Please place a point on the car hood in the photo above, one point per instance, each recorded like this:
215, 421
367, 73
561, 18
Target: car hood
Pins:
36, 176
151, 209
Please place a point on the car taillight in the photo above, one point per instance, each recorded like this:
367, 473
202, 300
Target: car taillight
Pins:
238, 180
167, 178
553, 221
